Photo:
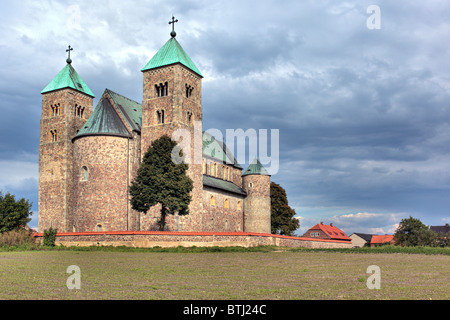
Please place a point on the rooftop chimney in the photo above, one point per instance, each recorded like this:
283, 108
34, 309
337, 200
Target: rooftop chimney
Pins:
331, 224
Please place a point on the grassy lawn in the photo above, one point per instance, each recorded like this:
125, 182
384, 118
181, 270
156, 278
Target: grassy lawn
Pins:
223, 275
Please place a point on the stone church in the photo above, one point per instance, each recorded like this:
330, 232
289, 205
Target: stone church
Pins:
88, 157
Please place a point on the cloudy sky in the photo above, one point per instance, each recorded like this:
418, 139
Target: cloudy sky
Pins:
362, 112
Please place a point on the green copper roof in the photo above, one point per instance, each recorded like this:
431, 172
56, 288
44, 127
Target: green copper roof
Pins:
218, 151
68, 78
104, 122
131, 110
222, 185
171, 53
256, 168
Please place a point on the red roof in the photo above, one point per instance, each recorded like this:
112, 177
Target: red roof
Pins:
332, 231
382, 239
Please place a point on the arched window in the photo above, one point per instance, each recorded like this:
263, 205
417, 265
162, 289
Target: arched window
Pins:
54, 135
239, 205
213, 201
189, 90
227, 204
160, 116
162, 90
56, 110
84, 174
99, 227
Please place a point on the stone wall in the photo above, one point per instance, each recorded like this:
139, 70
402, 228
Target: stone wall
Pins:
216, 217
101, 200
189, 239
257, 203
214, 168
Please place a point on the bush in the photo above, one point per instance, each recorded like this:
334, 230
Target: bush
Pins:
50, 237
16, 238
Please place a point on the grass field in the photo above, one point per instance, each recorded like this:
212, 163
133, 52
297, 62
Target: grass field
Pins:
263, 275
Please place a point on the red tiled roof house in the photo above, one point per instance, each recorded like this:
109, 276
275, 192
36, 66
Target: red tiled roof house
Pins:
329, 232
378, 240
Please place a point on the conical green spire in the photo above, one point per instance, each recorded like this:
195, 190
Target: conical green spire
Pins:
68, 78
171, 53
256, 168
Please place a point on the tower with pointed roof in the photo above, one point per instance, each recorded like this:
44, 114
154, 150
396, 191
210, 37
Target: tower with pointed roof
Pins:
172, 92
256, 183
67, 102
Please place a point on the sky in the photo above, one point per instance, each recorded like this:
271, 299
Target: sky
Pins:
359, 91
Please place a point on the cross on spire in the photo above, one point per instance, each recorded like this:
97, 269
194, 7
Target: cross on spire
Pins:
173, 33
69, 61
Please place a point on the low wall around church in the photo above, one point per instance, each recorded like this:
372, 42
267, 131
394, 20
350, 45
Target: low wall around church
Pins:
149, 239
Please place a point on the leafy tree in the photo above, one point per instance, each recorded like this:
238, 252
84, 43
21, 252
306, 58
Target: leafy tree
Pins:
50, 237
412, 232
13, 214
161, 181
282, 215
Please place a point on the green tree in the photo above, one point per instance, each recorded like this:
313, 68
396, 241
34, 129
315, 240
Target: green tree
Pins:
161, 181
50, 237
412, 232
13, 214
282, 215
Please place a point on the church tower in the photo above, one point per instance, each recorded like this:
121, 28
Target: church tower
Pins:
67, 103
172, 100
257, 210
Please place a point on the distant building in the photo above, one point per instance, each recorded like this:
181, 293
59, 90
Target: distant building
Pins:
328, 232
441, 229
370, 240
360, 240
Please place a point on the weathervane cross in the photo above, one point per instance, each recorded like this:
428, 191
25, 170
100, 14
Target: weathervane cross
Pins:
173, 33
69, 61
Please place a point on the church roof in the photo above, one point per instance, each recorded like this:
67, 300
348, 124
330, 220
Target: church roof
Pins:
68, 78
131, 110
222, 185
218, 151
171, 53
104, 121
256, 168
